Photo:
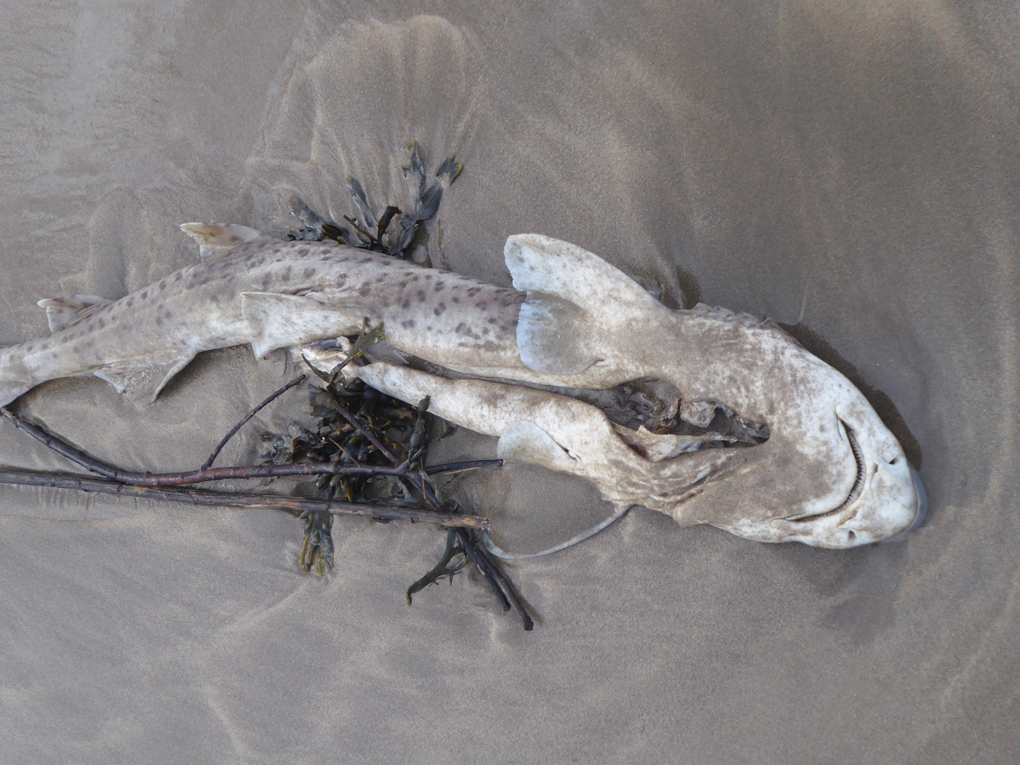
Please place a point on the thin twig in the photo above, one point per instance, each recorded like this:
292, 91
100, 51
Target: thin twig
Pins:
473, 552
293, 505
459, 467
367, 433
508, 586
252, 413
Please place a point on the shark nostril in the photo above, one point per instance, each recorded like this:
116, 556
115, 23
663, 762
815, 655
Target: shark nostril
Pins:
850, 536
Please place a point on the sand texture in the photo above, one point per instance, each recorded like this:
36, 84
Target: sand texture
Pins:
849, 167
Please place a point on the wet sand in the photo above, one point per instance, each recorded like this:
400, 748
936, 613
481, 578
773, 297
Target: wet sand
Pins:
848, 168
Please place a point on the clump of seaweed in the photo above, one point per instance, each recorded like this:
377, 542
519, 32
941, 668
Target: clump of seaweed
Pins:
356, 427
359, 426
392, 232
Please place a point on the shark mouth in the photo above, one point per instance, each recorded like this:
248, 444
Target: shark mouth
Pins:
855, 490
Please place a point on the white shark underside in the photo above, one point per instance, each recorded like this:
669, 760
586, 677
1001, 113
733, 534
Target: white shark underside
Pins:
830, 474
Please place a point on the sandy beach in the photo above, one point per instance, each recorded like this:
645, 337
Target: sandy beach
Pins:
850, 169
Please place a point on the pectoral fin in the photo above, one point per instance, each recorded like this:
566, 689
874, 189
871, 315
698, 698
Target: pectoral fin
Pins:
141, 381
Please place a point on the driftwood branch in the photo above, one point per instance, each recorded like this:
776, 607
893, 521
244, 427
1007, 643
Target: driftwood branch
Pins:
206, 474
199, 497
167, 485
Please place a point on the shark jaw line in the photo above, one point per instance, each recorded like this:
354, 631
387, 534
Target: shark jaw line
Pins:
855, 490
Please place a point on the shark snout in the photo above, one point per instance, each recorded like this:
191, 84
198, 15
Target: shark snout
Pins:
886, 504
922, 500
921, 510
892, 504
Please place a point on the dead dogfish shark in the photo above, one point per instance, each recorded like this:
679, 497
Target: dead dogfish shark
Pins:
830, 474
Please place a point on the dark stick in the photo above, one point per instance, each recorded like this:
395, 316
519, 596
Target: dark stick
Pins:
204, 475
252, 413
508, 586
471, 550
63, 448
292, 505
500, 585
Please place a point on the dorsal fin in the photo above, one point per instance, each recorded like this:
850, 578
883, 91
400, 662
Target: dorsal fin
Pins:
543, 264
215, 239
64, 311
573, 297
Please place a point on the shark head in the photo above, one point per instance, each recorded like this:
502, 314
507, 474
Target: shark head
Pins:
885, 500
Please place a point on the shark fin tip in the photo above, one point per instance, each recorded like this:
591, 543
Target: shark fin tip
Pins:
216, 239
62, 312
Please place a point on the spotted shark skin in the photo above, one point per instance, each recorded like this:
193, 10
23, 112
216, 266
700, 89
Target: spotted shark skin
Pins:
830, 475
261, 291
